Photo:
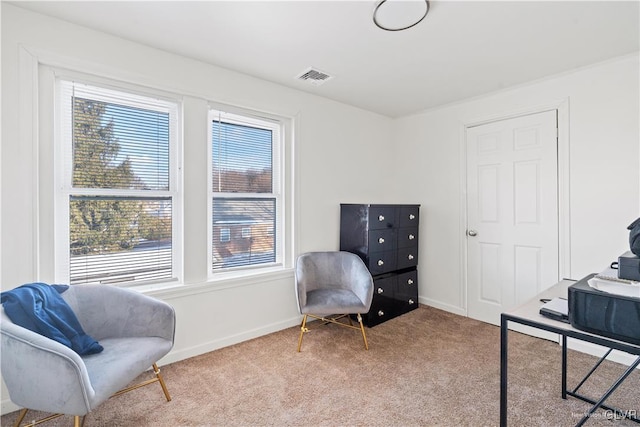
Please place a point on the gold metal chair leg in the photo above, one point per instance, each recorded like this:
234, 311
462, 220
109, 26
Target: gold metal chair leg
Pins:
158, 378
76, 421
303, 329
21, 416
162, 384
23, 412
364, 336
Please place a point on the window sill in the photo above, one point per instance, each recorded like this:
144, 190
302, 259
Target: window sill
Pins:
218, 283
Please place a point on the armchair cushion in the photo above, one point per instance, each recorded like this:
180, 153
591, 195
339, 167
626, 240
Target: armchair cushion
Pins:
328, 300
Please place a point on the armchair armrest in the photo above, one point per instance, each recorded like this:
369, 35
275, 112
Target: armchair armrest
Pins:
362, 284
42, 373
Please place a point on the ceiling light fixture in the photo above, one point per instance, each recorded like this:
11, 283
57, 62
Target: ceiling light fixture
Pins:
398, 15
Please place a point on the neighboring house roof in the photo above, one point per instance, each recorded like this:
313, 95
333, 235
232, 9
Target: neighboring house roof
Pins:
243, 211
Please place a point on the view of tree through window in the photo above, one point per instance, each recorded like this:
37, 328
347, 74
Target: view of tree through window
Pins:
118, 233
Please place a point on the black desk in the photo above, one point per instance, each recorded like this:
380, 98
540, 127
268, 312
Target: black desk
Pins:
528, 314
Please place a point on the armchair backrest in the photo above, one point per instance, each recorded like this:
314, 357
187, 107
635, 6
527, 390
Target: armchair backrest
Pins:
108, 312
332, 270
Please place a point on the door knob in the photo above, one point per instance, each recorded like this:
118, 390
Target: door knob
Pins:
472, 233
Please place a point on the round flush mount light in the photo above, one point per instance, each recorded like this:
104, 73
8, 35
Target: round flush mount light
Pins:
398, 15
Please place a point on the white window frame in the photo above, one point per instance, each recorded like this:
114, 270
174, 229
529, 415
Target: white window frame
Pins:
246, 232
63, 167
281, 178
225, 235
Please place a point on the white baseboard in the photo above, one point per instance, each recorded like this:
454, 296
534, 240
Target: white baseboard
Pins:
176, 356
442, 306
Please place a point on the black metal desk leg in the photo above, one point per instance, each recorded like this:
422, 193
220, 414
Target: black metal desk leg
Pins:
503, 370
564, 366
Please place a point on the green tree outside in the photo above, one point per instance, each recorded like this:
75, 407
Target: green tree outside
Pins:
107, 224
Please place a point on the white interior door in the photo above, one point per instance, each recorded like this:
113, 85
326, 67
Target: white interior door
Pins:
512, 212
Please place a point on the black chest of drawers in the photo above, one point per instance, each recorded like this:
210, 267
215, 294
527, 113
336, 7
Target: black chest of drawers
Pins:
386, 238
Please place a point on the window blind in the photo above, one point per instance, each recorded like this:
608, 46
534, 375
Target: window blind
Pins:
118, 146
118, 179
244, 204
242, 158
244, 231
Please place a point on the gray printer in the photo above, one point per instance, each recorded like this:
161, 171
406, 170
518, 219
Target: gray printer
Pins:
602, 313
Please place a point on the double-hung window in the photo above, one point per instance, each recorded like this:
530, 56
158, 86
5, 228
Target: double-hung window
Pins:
247, 203
117, 202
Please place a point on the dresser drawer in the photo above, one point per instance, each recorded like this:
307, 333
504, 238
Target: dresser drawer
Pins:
382, 240
383, 304
385, 287
380, 311
382, 217
407, 237
409, 216
408, 284
407, 257
407, 292
382, 262
406, 303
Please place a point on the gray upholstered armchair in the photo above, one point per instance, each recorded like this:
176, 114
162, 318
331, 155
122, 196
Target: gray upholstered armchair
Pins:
330, 286
42, 374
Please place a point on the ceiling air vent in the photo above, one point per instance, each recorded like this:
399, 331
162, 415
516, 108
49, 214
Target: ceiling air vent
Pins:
314, 76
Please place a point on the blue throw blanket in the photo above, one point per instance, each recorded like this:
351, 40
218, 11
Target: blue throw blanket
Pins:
40, 308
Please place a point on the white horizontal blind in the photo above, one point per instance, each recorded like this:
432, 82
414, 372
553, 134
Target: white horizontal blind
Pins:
242, 158
245, 204
118, 185
119, 146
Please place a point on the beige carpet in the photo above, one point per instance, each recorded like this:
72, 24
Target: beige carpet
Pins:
426, 368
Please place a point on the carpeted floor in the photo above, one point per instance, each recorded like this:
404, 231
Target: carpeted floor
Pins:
426, 368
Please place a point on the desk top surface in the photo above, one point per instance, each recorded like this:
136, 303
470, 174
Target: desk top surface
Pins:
530, 312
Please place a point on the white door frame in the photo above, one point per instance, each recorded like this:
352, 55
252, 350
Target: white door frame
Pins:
564, 229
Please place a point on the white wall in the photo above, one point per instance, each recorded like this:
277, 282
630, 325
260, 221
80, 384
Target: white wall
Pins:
604, 170
337, 147
343, 154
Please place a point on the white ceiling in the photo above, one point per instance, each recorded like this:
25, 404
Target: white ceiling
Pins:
462, 49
